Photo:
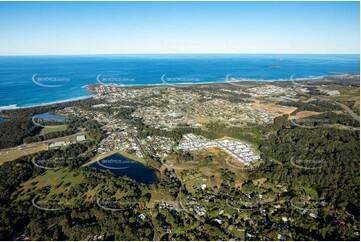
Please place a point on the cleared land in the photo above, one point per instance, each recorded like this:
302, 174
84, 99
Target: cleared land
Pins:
14, 154
209, 174
26, 149
272, 108
304, 114
50, 129
348, 94
123, 153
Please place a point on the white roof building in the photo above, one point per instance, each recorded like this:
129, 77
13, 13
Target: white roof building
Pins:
57, 144
313, 215
218, 221
80, 138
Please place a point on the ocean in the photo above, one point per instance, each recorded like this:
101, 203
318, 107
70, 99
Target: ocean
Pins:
35, 80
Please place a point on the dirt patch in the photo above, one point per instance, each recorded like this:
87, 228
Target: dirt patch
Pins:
202, 120
259, 181
304, 114
273, 108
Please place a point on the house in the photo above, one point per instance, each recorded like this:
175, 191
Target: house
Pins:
250, 235
203, 186
313, 215
201, 213
141, 216
218, 221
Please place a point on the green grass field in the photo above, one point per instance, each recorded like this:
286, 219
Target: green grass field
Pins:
59, 181
50, 129
311, 192
53, 184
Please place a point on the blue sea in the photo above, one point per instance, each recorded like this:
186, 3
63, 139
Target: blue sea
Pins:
35, 80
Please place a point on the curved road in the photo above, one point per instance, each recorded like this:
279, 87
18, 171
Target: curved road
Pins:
345, 107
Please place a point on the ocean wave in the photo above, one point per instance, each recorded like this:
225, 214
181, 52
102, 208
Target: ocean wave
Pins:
9, 107
14, 106
217, 81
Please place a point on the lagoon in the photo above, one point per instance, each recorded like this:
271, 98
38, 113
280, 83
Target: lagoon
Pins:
121, 165
50, 117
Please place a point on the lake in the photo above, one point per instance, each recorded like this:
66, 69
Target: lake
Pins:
50, 117
2, 120
121, 165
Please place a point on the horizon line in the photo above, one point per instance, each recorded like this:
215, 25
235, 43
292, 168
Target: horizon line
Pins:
99, 54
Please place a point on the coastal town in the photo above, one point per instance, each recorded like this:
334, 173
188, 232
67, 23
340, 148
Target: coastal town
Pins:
171, 107
241, 152
180, 120
204, 145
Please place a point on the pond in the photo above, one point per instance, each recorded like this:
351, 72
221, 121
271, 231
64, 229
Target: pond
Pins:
50, 117
2, 120
121, 165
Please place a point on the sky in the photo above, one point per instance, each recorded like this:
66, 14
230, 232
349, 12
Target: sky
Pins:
72, 28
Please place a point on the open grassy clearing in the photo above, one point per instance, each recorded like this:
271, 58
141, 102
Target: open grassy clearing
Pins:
55, 181
121, 152
209, 174
273, 108
51, 129
310, 192
53, 184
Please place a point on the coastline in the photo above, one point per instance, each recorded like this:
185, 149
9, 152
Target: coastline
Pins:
223, 82
333, 74
15, 107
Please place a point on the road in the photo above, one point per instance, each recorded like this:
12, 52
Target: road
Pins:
142, 149
26, 146
178, 201
345, 107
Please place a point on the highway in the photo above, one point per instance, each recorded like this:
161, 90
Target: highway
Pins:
46, 142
